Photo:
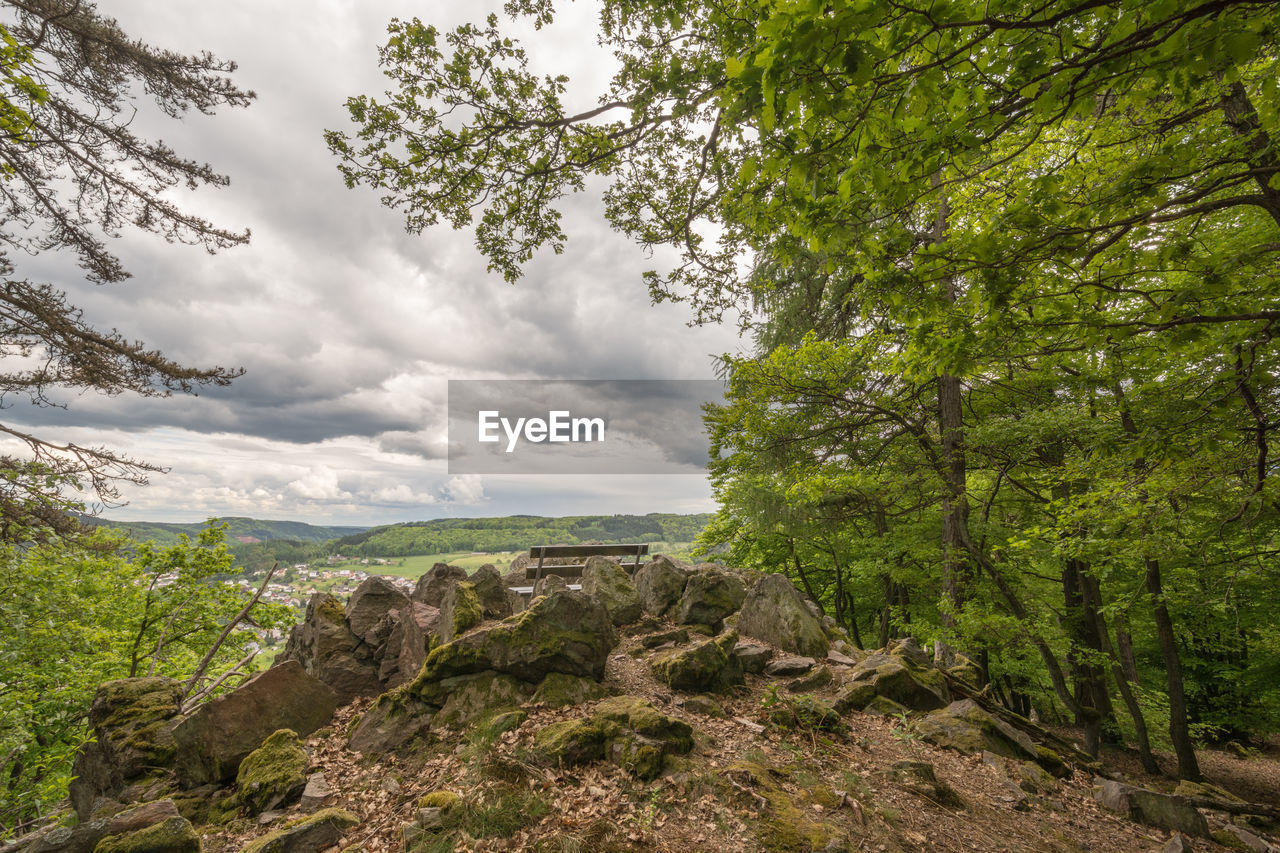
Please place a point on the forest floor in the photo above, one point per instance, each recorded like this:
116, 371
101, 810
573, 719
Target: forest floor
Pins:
746, 787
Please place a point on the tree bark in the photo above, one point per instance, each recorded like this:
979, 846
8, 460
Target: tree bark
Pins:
1188, 766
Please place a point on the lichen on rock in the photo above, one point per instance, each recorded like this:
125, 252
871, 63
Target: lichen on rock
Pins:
273, 774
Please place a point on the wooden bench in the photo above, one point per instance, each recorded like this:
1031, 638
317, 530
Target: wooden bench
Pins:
554, 553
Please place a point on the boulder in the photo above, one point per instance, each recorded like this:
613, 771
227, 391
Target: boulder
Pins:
558, 690
84, 837
216, 737
548, 584
815, 680
752, 657
306, 835
1151, 808
709, 596
788, 666
609, 583
705, 666
473, 697
460, 610
431, 586
274, 774
964, 726
492, 592
919, 777
328, 650
626, 730
175, 835
660, 583
565, 632
896, 676
406, 647
131, 721
370, 604
316, 791
774, 611
395, 718
854, 696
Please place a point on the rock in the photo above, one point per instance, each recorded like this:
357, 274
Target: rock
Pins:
909, 649
705, 705
483, 694
840, 659
752, 657
789, 665
660, 583
548, 584
431, 586
175, 835
559, 689
608, 582
130, 720
1177, 843
885, 707
774, 612
492, 592
1204, 789
815, 680
966, 727
328, 650
565, 632
1033, 779
896, 676
665, 638
84, 837
627, 730
854, 696
460, 610
394, 719
217, 736
316, 792
274, 774
919, 778
372, 600
406, 647
1246, 838
306, 835
708, 597
1151, 808
706, 665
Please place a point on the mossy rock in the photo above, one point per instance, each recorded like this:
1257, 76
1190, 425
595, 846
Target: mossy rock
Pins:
571, 742
273, 774
817, 679
784, 827
394, 719
854, 696
306, 835
900, 678
175, 835
708, 597
919, 778
473, 697
627, 730
559, 689
640, 716
885, 707
705, 666
964, 726
444, 800
610, 584
705, 705
460, 610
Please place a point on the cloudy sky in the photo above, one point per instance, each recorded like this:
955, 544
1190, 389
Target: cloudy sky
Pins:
348, 327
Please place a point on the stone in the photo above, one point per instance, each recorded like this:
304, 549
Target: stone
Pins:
1034, 779
919, 778
709, 596
565, 631
853, 696
884, 707
965, 727
472, 697
1177, 843
838, 658
896, 676
706, 665
131, 721
815, 680
216, 737
84, 837
316, 792
175, 835
627, 730
1151, 808
1246, 838
310, 834
327, 649
558, 690
372, 600
395, 718
460, 610
548, 584
774, 612
1206, 790
752, 657
704, 705
665, 638
610, 584
274, 774
789, 665
660, 583
492, 592
431, 586
406, 647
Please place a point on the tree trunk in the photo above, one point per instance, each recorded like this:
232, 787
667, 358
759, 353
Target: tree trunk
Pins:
1188, 766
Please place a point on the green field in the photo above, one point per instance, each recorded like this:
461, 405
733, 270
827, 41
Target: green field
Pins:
416, 565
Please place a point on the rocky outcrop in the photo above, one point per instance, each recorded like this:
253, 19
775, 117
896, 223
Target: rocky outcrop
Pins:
660, 583
460, 610
131, 721
709, 596
491, 589
369, 604
218, 735
626, 730
610, 584
706, 665
898, 676
175, 835
328, 650
273, 774
84, 837
775, 612
395, 719
432, 585
1151, 808
966, 727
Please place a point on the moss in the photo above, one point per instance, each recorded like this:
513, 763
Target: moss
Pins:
1051, 761
1226, 839
574, 741
475, 697
331, 608
444, 800
785, 827
272, 842
175, 835
559, 689
707, 665
273, 773
641, 717
464, 606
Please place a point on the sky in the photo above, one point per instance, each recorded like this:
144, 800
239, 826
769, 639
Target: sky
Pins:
347, 327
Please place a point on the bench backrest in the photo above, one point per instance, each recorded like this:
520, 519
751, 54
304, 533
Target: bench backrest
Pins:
554, 553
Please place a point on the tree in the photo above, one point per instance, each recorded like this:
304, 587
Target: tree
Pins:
73, 174
1054, 231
